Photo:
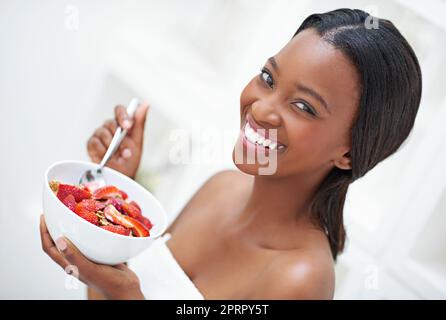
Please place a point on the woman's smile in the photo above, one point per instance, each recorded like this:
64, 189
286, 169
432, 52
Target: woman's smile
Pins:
257, 138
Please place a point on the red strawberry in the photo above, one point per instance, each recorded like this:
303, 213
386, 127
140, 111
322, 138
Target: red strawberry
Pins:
116, 202
70, 202
86, 205
147, 223
100, 205
139, 229
117, 229
66, 189
90, 217
113, 215
131, 210
123, 194
106, 192
136, 205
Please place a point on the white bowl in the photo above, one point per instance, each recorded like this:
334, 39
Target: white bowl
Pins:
97, 244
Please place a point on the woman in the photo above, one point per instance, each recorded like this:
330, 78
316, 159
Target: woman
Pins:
340, 97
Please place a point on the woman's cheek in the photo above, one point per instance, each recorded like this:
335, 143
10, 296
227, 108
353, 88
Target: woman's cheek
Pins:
308, 141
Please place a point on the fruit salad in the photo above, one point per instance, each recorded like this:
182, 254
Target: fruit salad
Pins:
107, 207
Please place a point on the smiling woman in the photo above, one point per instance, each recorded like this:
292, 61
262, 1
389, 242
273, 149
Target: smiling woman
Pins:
328, 107
342, 98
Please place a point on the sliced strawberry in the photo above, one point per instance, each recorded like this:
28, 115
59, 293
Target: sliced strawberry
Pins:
86, 205
131, 210
147, 223
116, 202
113, 215
70, 202
90, 217
136, 205
117, 229
66, 189
100, 205
106, 193
123, 195
138, 228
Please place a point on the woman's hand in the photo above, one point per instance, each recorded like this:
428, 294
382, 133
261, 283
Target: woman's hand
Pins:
127, 158
117, 282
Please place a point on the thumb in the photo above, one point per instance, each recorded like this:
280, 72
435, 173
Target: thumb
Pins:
139, 121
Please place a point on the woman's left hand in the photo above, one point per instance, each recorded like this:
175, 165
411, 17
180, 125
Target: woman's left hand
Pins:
113, 282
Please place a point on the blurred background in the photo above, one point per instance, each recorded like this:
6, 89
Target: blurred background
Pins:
64, 65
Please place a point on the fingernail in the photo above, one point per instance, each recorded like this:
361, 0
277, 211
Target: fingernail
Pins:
126, 124
126, 153
61, 244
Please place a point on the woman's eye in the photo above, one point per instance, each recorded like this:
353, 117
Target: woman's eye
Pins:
266, 77
304, 107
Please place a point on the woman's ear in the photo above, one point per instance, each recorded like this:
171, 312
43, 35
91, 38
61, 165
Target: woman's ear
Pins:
344, 162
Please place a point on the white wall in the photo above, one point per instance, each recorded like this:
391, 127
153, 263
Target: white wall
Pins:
61, 76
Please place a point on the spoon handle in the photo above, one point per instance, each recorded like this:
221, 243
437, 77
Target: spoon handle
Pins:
119, 134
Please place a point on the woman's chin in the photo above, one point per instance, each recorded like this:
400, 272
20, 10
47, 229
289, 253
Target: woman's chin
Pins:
252, 169
251, 165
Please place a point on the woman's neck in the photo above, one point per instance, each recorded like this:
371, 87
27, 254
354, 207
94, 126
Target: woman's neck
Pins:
278, 204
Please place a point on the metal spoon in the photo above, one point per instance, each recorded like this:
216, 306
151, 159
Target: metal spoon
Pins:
95, 176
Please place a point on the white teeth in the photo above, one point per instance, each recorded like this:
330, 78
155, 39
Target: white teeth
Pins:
250, 134
273, 145
251, 138
246, 130
256, 138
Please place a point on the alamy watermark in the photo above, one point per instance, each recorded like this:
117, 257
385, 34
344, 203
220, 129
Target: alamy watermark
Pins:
71, 21
371, 22
210, 146
371, 279
72, 277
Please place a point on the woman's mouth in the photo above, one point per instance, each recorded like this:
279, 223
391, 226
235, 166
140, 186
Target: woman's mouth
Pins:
260, 137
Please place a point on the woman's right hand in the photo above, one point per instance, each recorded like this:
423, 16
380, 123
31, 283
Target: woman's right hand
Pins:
128, 156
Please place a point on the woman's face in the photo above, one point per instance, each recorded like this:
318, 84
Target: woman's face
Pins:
308, 93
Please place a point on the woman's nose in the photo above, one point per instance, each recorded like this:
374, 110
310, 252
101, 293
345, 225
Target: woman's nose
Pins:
265, 113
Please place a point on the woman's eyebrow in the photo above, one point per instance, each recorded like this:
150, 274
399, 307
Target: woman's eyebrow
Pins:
274, 64
314, 94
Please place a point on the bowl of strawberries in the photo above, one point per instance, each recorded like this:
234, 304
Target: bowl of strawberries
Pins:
108, 223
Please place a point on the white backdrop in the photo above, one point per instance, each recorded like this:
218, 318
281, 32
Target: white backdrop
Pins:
65, 64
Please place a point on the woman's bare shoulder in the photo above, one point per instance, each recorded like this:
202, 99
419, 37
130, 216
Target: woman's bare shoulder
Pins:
299, 274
